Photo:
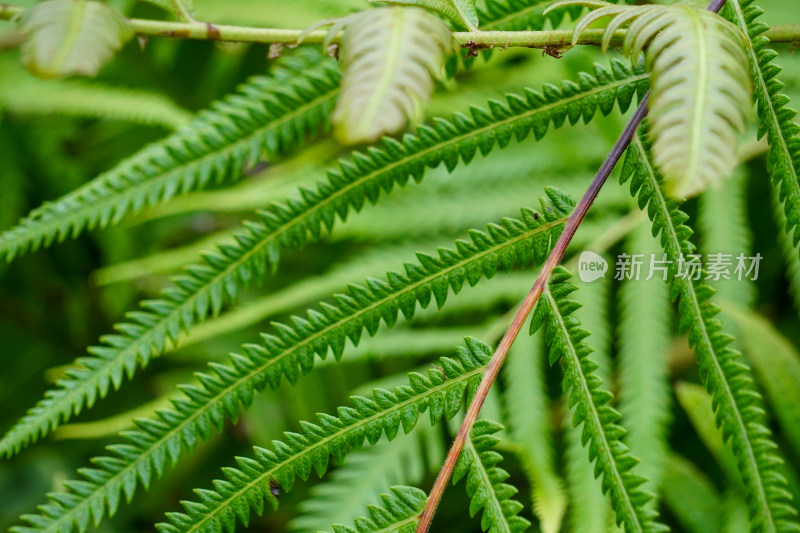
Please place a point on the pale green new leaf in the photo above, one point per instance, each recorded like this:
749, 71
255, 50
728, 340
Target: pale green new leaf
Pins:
390, 57
700, 82
71, 37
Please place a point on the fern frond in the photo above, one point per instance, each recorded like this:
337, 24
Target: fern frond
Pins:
528, 409
700, 84
399, 513
71, 37
357, 483
589, 510
291, 352
485, 481
269, 115
600, 430
21, 93
245, 488
776, 120
722, 221
520, 15
462, 12
739, 411
644, 342
287, 226
390, 57
777, 364
690, 496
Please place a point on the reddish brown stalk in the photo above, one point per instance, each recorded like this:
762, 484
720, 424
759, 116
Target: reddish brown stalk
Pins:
555, 257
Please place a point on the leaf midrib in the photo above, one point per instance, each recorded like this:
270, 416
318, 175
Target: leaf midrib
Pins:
690, 291
496, 503
606, 447
227, 390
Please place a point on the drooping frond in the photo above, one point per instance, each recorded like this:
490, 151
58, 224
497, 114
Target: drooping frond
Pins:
739, 412
700, 84
591, 405
399, 513
722, 222
283, 227
270, 115
690, 496
776, 120
589, 510
528, 414
390, 57
520, 15
357, 483
485, 481
71, 37
291, 352
245, 488
462, 12
777, 364
644, 340
23, 94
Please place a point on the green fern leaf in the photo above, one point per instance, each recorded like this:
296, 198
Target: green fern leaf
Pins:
776, 120
644, 343
739, 412
399, 513
291, 352
357, 483
691, 496
701, 89
528, 408
390, 57
71, 37
462, 12
484, 479
245, 488
21, 93
269, 115
287, 226
521, 15
591, 405
590, 511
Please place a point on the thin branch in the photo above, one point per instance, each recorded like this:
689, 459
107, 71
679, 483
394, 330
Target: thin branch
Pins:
474, 40
556, 255
493, 368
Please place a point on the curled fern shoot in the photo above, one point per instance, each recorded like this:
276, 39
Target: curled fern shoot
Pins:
246, 487
776, 120
284, 227
485, 481
268, 116
700, 86
591, 404
398, 514
390, 57
739, 408
290, 352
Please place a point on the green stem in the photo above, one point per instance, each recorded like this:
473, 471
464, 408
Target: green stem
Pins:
475, 40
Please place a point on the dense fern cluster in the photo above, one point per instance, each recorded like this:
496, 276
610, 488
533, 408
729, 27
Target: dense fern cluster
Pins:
341, 293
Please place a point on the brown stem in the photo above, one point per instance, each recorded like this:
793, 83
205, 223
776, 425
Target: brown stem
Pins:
493, 368
555, 257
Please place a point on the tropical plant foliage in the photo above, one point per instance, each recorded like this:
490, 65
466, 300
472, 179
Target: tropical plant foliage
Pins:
291, 273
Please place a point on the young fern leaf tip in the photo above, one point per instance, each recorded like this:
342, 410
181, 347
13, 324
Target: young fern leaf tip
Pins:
71, 37
700, 85
390, 57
